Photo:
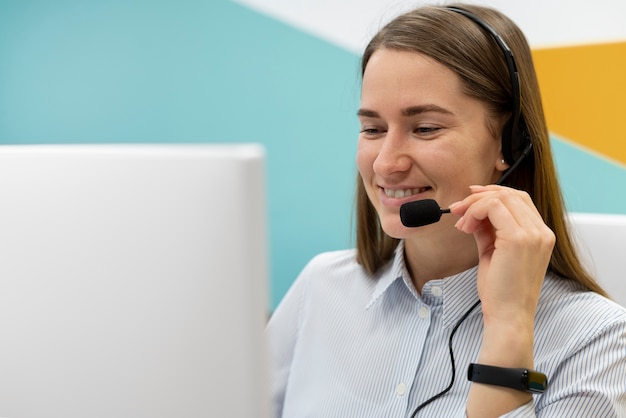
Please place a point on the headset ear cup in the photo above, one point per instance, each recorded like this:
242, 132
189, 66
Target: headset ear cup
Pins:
515, 140
521, 139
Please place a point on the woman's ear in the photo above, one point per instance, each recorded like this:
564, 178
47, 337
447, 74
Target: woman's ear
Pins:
501, 165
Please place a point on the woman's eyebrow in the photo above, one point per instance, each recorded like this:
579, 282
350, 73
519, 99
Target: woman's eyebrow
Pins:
409, 111
367, 113
416, 110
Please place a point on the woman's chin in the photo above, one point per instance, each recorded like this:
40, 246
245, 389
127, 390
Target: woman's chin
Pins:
395, 229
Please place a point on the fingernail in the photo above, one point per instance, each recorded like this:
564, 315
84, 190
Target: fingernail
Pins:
454, 204
459, 223
476, 187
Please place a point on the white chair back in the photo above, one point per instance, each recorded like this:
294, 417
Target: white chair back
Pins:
601, 239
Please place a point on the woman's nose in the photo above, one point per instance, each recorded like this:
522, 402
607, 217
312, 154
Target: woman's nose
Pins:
393, 155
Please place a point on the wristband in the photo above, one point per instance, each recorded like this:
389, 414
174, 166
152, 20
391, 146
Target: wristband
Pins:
520, 379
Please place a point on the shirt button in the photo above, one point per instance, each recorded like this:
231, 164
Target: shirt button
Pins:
401, 389
423, 312
436, 291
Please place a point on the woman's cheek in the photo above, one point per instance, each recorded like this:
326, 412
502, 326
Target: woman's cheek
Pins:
365, 157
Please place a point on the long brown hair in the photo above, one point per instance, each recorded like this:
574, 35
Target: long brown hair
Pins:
460, 44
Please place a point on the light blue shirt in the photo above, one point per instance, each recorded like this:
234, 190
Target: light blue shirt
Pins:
346, 344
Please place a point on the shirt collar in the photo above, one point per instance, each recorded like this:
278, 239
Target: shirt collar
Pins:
459, 291
389, 273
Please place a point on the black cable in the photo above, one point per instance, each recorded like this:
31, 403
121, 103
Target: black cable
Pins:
446, 390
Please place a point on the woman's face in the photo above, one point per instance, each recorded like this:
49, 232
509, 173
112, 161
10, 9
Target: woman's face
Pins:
421, 137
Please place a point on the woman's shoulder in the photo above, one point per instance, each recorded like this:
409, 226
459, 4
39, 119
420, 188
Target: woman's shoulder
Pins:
571, 308
337, 273
329, 282
564, 293
330, 262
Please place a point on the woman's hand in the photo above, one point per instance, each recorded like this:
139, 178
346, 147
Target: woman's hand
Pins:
514, 250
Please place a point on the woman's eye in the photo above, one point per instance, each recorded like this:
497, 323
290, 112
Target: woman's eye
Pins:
371, 131
426, 130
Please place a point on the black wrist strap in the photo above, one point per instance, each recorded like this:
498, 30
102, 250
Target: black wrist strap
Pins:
519, 379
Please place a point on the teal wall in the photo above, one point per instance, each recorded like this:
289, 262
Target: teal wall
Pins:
590, 183
74, 71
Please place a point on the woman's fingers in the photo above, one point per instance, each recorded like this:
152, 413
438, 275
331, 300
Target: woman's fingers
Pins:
514, 247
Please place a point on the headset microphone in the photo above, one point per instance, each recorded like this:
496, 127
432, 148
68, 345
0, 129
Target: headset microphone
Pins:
421, 212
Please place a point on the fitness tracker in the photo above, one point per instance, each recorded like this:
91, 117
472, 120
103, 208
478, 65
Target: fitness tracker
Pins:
520, 379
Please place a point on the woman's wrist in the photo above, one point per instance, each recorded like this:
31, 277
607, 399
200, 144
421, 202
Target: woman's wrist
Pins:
507, 345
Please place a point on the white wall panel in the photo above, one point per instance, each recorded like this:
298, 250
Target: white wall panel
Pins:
350, 23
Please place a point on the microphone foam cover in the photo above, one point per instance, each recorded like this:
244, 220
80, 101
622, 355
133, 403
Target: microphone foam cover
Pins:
420, 213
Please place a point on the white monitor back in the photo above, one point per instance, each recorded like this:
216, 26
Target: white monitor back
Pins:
600, 239
132, 281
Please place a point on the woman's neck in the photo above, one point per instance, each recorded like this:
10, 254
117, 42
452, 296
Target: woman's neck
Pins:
428, 259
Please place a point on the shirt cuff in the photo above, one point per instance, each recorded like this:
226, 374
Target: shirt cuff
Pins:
525, 411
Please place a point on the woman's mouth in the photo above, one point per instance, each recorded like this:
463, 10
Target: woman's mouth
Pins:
404, 193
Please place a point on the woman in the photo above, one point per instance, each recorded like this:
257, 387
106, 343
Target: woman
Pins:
450, 319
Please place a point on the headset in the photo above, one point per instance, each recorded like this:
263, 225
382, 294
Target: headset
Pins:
516, 141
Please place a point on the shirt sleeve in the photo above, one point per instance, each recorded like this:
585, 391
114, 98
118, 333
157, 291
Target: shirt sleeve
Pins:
592, 381
282, 334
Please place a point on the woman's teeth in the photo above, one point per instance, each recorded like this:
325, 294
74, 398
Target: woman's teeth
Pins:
399, 194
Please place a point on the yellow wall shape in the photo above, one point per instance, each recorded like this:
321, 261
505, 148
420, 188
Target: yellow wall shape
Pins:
584, 94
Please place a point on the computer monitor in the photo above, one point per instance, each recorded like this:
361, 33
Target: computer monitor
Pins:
133, 281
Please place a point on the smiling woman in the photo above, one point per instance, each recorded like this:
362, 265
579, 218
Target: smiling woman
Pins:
445, 116
423, 138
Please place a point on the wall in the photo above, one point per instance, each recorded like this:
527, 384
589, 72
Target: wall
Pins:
284, 73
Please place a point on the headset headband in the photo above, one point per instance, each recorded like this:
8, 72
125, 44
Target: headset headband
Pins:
515, 138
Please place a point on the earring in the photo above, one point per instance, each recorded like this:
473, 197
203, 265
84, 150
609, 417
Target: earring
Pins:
503, 162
